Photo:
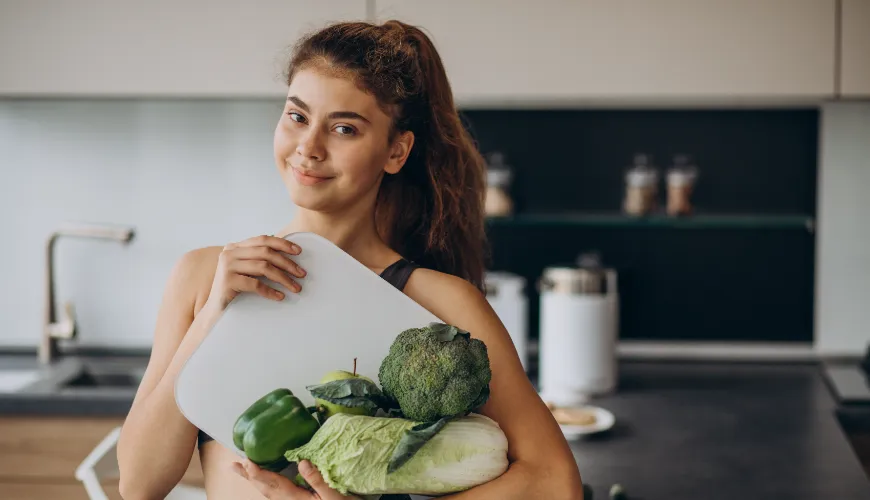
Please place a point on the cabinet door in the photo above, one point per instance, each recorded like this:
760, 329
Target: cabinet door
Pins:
855, 49
629, 49
199, 48
48, 449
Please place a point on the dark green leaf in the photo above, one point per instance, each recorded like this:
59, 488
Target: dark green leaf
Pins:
412, 440
383, 401
391, 413
446, 333
481, 398
349, 392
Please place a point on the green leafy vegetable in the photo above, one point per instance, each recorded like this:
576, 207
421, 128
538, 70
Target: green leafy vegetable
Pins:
446, 333
350, 392
412, 440
353, 453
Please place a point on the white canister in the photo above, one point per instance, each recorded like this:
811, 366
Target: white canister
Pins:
505, 292
578, 334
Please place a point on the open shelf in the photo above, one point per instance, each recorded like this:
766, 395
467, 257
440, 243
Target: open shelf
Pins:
699, 221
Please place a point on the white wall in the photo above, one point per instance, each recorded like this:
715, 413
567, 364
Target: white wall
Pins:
186, 174
843, 238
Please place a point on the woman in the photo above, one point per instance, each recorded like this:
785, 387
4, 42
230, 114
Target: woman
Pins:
374, 155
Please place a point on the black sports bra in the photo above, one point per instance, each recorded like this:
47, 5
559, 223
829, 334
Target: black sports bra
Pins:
396, 274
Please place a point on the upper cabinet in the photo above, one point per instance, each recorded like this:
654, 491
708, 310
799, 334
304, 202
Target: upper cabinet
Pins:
855, 49
496, 52
199, 48
629, 50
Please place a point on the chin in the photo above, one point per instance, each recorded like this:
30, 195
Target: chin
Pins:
310, 201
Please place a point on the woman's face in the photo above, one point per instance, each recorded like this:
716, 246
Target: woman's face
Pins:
332, 143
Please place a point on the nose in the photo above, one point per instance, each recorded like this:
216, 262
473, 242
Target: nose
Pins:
311, 145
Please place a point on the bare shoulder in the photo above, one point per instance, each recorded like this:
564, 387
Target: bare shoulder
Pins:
456, 301
194, 272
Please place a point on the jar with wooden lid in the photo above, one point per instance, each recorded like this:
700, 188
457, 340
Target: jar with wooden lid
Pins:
498, 184
681, 179
641, 187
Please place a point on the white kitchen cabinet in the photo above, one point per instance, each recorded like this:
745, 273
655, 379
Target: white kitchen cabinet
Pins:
655, 51
197, 48
855, 49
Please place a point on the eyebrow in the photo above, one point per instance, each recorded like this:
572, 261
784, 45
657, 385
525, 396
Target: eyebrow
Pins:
335, 114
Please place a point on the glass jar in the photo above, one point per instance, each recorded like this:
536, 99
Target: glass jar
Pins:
680, 185
641, 187
498, 183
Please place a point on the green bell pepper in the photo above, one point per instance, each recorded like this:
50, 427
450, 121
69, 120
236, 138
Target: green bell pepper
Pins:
275, 423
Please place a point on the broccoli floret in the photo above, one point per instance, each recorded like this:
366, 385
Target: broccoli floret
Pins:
436, 371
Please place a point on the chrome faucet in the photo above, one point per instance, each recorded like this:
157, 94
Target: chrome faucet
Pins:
66, 328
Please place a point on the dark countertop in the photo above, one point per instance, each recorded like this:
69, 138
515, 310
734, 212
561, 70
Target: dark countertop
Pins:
729, 431
684, 430
91, 382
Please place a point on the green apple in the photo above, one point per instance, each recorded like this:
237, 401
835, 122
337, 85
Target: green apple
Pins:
330, 409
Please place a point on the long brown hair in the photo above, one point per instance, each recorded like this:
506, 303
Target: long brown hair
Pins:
431, 211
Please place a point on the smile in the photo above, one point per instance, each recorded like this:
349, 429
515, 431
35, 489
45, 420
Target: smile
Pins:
307, 180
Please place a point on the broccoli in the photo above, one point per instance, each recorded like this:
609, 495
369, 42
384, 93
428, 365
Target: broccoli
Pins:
436, 371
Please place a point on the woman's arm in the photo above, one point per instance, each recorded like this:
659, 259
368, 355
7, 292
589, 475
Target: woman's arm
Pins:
157, 441
542, 465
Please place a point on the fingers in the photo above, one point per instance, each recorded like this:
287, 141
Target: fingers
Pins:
263, 268
315, 480
273, 242
270, 255
240, 264
241, 284
271, 485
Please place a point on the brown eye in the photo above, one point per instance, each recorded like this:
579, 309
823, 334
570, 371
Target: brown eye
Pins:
296, 117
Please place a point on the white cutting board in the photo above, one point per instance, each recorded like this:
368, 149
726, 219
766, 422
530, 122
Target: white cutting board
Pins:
344, 311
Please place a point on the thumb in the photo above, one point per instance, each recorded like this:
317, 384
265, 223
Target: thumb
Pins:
314, 479
271, 485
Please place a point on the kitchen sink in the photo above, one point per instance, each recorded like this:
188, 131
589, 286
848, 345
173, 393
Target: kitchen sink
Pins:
91, 378
103, 375
73, 385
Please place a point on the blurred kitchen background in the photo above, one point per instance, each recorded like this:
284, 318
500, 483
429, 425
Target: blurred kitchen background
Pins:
680, 180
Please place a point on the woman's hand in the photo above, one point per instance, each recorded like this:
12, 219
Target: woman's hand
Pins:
240, 263
274, 486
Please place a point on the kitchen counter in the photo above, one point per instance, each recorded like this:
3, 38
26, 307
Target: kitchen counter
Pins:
92, 382
722, 431
684, 430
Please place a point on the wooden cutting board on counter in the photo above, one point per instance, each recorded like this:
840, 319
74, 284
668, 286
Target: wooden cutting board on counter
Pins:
344, 311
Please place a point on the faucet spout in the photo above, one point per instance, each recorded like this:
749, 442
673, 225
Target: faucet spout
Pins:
53, 330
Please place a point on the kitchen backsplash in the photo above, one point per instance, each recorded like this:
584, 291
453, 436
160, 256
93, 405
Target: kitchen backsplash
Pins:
188, 174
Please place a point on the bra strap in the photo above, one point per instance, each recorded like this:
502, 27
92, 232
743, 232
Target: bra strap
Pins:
398, 272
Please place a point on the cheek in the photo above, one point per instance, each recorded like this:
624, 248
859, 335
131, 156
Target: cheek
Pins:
360, 162
282, 142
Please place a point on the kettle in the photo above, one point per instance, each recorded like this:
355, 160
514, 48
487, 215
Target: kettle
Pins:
578, 331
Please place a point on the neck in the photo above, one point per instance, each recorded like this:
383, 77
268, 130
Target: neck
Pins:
352, 230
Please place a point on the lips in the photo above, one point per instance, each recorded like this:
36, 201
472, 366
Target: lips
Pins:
308, 179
